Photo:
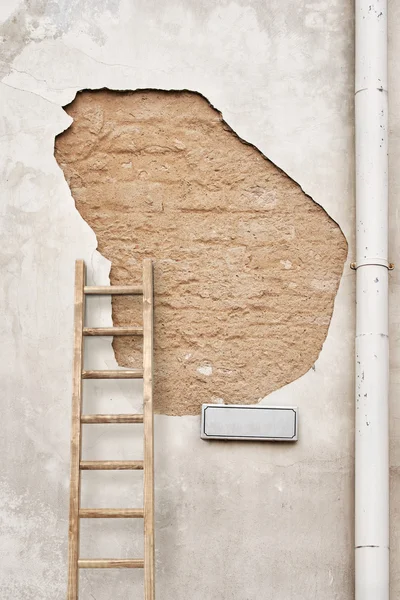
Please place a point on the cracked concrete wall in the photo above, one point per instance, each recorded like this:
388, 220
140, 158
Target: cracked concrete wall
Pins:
233, 520
246, 265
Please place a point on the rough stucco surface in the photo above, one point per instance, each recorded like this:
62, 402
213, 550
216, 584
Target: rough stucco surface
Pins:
235, 521
246, 265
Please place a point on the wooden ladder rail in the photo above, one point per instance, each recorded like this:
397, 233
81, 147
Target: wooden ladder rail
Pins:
76, 433
77, 465
148, 417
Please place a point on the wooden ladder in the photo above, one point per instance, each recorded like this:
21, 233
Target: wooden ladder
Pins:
75, 562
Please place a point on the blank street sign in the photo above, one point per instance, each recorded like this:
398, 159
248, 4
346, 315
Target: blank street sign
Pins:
262, 423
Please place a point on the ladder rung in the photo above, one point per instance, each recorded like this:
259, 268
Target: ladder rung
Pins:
111, 513
113, 290
112, 419
125, 374
111, 563
111, 465
113, 331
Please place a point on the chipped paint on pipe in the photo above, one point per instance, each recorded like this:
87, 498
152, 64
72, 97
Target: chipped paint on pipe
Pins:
372, 352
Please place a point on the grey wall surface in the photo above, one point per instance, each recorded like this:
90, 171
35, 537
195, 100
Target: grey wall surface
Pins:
234, 521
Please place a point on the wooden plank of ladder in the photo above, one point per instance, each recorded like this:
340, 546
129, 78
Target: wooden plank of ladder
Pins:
76, 445
148, 420
120, 374
111, 563
114, 290
111, 513
113, 331
111, 465
95, 419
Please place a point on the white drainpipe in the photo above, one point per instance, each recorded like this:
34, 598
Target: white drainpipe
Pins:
372, 352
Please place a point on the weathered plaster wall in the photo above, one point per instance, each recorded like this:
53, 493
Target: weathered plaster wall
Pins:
234, 521
246, 265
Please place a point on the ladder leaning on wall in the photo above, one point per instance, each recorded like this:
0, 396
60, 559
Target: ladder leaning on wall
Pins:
75, 562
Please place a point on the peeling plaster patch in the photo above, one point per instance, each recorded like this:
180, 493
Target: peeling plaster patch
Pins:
287, 264
220, 221
205, 370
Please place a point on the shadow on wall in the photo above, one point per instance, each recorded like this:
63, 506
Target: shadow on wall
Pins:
247, 266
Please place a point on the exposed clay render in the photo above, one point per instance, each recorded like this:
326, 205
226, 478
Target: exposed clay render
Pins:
246, 265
